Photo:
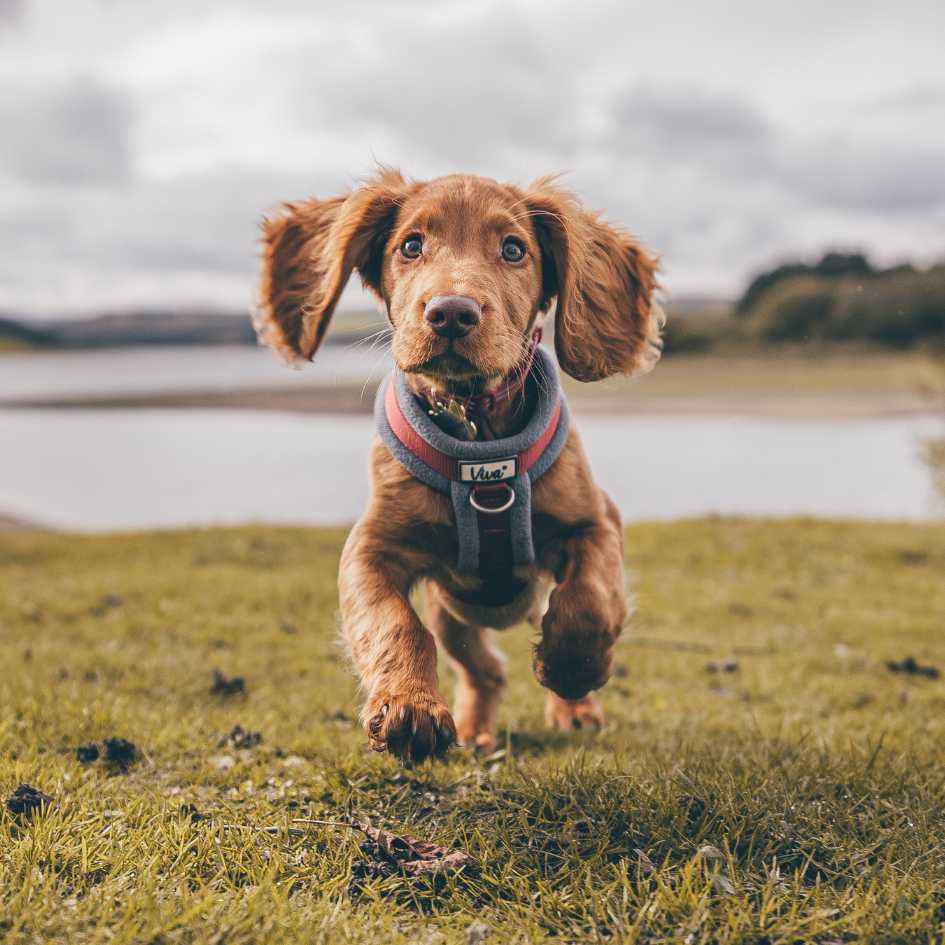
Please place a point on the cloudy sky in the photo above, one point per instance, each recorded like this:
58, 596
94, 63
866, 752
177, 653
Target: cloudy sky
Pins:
140, 142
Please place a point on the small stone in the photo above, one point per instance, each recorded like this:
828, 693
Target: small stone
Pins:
477, 933
711, 853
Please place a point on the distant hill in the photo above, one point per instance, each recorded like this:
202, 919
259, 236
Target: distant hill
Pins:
19, 334
152, 328
158, 328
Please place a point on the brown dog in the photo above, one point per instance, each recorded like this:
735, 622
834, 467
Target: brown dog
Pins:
466, 268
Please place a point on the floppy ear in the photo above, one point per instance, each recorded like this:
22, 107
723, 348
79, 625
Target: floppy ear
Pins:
309, 251
606, 321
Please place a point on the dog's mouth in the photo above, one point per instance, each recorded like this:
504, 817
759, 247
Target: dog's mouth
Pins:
448, 366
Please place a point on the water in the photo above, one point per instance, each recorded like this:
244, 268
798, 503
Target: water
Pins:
118, 469
59, 374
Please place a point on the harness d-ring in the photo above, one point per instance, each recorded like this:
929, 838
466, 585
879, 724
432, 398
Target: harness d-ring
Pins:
498, 509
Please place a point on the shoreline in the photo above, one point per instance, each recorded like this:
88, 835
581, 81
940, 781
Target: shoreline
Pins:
15, 523
354, 400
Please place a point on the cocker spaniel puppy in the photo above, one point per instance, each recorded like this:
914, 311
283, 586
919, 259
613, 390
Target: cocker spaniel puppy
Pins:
481, 491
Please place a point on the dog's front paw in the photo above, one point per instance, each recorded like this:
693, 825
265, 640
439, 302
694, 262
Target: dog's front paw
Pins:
575, 652
411, 727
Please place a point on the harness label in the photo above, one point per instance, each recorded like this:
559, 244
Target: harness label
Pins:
495, 471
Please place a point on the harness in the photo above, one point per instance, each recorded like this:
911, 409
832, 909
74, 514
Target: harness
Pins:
489, 482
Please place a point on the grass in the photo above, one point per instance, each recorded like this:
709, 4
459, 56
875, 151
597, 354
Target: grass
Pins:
811, 371
800, 798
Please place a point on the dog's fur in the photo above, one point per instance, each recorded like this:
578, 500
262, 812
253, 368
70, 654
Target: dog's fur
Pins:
605, 323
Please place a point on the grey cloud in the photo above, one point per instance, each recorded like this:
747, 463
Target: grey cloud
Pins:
461, 92
690, 132
680, 118
862, 167
66, 134
150, 175
916, 98
894, 178
202, 221
12, 11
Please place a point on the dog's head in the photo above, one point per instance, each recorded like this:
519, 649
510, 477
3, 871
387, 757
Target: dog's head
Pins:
464, 266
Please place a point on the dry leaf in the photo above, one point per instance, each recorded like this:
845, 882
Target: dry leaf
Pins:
416, 857
389, 853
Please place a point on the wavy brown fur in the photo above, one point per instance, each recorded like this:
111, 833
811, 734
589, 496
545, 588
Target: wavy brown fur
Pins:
604, 282
606, 323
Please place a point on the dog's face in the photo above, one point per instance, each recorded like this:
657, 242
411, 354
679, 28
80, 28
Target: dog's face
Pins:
464, 266
461, 279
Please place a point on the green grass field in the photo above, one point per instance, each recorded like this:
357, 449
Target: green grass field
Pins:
824, 371
798, 798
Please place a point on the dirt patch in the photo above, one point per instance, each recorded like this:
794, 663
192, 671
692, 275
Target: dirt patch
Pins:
724, 666
240, 738
911, 667
120, 752
117, 753
224, 685
87, 754
26, 800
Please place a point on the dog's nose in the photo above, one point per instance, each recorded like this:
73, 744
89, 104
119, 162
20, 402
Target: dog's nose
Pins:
452, 316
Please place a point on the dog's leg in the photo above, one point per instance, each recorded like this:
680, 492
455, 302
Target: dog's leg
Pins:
586, 612
394, 653
480, 678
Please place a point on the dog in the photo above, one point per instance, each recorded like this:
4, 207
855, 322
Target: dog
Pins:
467, 270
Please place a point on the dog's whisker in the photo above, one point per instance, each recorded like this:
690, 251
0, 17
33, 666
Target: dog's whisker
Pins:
370, 374
369, 340
543, 382
381, 340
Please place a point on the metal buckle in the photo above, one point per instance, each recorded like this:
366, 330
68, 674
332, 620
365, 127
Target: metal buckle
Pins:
499, 509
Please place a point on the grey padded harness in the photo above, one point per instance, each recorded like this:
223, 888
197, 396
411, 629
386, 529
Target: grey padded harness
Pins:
475, 473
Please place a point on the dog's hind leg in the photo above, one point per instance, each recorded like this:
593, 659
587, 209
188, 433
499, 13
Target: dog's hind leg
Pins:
568, 714
480, 677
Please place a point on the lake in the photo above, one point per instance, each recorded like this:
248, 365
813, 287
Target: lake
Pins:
57, 374
120, 469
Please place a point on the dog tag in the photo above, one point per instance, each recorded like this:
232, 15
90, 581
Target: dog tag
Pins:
456, 411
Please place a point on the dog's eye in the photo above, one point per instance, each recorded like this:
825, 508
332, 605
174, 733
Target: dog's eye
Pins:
412, 246
513, 250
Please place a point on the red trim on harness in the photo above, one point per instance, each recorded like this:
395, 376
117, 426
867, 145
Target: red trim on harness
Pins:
443, 464
446, 465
